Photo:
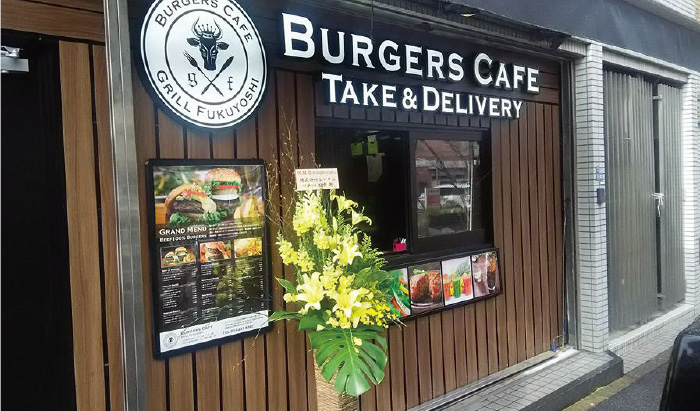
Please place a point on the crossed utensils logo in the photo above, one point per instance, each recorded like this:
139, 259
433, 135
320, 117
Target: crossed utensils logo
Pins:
206, 38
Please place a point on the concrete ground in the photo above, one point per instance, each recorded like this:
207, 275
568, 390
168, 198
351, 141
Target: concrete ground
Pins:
638, 390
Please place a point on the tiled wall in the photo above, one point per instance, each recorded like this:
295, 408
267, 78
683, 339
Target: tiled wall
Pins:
591, 238
689, 8
590, 217
691, 188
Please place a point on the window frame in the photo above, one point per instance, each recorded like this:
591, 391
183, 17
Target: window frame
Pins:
441, 246
444, 244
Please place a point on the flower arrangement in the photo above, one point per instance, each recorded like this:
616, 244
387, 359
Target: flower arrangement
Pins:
341, 295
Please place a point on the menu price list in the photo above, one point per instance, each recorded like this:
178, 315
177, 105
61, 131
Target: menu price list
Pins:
212, 287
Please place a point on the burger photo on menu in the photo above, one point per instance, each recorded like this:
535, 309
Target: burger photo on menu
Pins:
425, 287
175, 256
247, 247
224, 186
189, 204
214, 251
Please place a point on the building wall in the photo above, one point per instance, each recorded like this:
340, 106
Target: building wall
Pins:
688, 8
591, 220
427, 357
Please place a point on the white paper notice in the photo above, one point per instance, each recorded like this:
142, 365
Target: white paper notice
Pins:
316, 178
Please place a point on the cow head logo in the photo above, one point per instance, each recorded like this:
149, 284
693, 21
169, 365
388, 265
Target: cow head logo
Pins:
207, 39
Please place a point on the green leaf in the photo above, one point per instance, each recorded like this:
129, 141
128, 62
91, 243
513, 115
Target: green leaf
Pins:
283, 315
353, 366
291, 289
310, 322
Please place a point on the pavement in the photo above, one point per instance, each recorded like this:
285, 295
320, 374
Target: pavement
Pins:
638, 390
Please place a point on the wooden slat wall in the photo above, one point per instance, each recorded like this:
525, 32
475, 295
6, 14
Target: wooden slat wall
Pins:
428, 357
91, 226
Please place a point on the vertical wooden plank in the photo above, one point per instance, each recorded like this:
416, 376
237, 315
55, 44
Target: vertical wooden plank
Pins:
109, 228
396, 360
517, 271
307, 158
223, 144
83, 233
448, 350
472, 356
534, 225
551, 226
306, 136
498, 349
232, 385
544, 228
491, 335
172, 145
368, 400
507, 272
425, 381
525, 232
275, 349
252, 368
436, 359
322, 108
482, 341
288, 143
460, 337
383, 390
145, 130
558, 219
410, 355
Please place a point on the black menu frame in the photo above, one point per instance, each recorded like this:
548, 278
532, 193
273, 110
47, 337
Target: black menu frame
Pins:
155, 258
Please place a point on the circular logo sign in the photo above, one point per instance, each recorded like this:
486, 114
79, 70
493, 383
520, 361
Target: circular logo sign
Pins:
204, 59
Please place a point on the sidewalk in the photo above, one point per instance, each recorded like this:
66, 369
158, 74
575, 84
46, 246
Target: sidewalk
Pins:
561, 380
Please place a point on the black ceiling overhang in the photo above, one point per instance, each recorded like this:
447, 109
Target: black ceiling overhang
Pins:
612, 22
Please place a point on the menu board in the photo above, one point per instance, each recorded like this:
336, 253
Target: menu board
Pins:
436, 285
208, 245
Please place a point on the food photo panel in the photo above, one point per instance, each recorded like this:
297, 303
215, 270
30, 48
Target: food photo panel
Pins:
457, 280
426, 289
401, 301
485, 274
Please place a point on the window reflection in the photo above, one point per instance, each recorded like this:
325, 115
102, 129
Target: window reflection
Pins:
447, 183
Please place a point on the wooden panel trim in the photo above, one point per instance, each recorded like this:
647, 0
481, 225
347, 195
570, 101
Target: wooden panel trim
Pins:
109, 229
52, 20
83, 231
87, 5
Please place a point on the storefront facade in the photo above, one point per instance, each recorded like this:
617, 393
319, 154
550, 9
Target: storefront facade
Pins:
501, 92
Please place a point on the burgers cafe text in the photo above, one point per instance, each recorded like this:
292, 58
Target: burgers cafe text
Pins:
301, 41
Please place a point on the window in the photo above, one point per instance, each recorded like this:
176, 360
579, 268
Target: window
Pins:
373, 170
445, 181
432, 190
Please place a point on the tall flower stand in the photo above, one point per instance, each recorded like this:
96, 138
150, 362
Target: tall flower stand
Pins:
331, 400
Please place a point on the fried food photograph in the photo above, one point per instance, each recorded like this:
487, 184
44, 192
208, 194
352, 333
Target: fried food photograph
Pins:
247, 247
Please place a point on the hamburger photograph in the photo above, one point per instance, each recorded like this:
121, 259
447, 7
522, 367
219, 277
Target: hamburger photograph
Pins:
214, 251
188, 204
170, 259
224, 185
184, 255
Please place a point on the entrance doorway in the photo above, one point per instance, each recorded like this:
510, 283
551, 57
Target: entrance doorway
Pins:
37, 349
644, 202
